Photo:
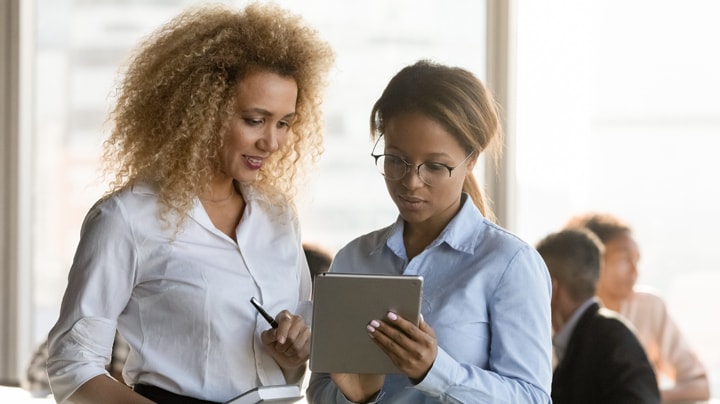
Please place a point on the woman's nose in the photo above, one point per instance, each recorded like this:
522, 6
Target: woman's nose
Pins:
270, 140
412, 178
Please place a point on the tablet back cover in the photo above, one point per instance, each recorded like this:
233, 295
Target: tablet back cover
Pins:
343, 305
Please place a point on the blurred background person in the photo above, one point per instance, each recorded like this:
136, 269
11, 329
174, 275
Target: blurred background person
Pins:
318, 257
600, 360
681, 374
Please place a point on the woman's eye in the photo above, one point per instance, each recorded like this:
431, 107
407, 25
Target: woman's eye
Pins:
253, 122
435, 166
283, 124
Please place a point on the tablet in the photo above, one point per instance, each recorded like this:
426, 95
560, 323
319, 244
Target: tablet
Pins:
343, 305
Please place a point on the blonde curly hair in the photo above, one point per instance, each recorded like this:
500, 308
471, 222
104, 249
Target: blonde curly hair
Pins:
179, 91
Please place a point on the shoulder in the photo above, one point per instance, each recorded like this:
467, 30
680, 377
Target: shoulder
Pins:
495, 252
359, 252
613, 320
470, 231
507, 250
644, 301
647, 295
608, 331
130, 211
368, 242
136, 202
495, 236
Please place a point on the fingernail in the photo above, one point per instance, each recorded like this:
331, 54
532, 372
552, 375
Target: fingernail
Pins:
375, 323
392, 316
370, 328
422, 319
281, 339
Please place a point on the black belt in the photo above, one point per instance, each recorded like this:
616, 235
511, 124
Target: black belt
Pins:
162, 396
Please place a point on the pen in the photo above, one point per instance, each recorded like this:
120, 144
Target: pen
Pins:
264, 313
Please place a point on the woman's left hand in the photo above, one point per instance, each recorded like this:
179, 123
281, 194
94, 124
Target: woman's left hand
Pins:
411, 348
289, 343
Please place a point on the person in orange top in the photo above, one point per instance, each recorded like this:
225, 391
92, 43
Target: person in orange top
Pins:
669, 351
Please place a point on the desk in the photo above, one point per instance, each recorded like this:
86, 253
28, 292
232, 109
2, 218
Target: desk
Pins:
17, 395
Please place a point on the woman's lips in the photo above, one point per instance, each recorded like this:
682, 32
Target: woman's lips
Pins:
409, 201
254, 163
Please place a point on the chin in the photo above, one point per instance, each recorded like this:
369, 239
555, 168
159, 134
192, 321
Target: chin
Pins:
413, 216
246, 177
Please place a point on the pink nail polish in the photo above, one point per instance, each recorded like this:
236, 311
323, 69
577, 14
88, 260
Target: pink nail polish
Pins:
392, 316
370, 328
375, 323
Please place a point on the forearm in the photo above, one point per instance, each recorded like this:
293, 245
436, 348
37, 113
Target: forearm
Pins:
103, 389
455, 381
687, 390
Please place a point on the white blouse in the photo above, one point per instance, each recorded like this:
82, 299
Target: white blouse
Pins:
181, 299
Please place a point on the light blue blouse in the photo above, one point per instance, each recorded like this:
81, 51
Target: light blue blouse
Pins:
487, 296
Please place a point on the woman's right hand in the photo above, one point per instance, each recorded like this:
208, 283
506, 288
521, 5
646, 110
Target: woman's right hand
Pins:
358, 388
289, 344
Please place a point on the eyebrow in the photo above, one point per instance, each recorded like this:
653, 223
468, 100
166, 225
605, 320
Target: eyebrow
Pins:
265, 112
430, 156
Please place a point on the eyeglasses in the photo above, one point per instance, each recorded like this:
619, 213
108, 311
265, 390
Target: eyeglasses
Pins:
395, 168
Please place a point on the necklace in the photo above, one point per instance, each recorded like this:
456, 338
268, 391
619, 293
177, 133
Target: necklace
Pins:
232, 192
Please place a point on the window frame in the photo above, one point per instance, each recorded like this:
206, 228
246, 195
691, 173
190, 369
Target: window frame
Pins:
16, 92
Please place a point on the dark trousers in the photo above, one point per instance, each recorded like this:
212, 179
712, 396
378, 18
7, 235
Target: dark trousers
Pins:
161, 396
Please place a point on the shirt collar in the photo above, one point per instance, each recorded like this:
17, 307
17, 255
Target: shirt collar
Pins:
461, 233
197, 212
562, 338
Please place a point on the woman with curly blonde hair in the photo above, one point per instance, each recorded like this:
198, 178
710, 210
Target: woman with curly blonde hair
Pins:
216, 117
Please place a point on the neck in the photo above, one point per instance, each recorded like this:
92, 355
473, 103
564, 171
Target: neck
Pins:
569, 307
419, 235
609, 301
218, 191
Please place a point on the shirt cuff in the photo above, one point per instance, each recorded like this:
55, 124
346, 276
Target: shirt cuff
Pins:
441, 375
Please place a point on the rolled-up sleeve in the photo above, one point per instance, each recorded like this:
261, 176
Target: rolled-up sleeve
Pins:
80, 355
99, 285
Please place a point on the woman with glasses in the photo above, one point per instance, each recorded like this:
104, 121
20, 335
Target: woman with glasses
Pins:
484, 335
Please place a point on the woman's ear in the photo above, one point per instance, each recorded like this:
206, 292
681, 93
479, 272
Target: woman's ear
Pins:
472, 160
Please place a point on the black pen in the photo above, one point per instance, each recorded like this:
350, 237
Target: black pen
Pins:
264, 313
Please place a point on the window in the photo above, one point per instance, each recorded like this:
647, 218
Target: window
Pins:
617, 111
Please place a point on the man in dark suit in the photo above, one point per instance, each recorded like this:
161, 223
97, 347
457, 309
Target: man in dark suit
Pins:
599, 358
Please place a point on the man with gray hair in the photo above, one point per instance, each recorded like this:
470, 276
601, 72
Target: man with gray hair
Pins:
600, 360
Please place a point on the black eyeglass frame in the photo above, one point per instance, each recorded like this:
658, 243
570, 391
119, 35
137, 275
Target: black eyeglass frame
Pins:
417, 166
